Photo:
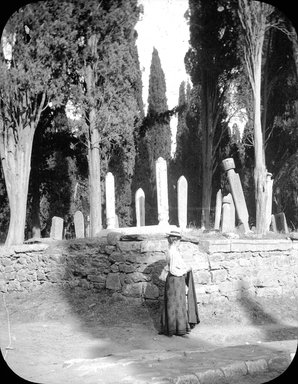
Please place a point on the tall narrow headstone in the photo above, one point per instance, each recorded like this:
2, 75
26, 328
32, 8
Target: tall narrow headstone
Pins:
88, 227
56, 232
140, 207
218, 208
237, 192
79, 225
116, 221
281, 223
228, 214
182, 188
269, 183
110, 200
162, 191
273, 223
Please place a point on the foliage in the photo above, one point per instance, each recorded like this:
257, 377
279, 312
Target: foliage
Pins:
52, 68
114, 66
158, 135
58, 172
281, 117
211, 62
285, 191
154, 139
32, 77
36, 69
187, 156
106, 51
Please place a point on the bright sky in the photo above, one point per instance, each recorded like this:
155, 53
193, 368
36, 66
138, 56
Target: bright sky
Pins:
164, 27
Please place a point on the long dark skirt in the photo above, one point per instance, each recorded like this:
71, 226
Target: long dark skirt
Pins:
174, 317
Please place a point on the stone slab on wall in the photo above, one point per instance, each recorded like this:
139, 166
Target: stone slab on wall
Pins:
132, 268
239, 245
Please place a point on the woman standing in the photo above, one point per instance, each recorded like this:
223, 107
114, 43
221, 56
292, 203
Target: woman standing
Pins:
180, 312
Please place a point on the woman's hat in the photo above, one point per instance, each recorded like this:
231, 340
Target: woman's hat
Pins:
174, 234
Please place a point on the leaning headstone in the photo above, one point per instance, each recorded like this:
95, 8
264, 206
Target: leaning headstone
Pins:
110, 200
269, 183
162, 191
281, 223
79, 225
228, 214
140, 207
218, 208
56, 232
237, 192
182, 201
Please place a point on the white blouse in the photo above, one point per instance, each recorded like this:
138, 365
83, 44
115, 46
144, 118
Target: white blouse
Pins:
177, 265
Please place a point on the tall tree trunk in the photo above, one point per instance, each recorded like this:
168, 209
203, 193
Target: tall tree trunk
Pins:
16, 156
207, 160
260, 167
93, 140
206, 192
94, 178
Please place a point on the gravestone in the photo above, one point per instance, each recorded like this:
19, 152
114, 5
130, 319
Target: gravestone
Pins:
269, 184
182, 201
162, 191
281, 223
110, 200
233, 212
140, 207
218, 208
228, 214
237, 192
79, 225
273, 223
116, 221
56, 232
88, 227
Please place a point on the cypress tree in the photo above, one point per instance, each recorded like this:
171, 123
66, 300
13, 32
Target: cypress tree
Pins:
182, 129
153, 138
159, 132
158, 135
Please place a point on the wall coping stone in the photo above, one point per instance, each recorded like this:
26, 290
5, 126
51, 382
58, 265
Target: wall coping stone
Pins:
22, 248
247, 245
208, 245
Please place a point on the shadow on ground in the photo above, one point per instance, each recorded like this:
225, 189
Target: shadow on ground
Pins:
273, 321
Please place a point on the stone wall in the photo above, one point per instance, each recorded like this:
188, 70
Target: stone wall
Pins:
223, 269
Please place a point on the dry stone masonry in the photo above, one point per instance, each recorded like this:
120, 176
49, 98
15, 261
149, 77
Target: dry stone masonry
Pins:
223, 269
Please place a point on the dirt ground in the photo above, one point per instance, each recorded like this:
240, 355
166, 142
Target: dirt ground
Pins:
46, 335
